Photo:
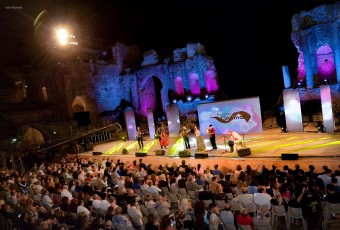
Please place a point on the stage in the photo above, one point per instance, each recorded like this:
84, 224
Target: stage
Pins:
266, 148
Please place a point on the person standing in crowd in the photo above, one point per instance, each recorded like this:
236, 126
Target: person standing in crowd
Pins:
212, 135
185, 134
139, 137
199, 140
164, 141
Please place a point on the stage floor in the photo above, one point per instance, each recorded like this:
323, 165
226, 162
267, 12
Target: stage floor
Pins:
266, 148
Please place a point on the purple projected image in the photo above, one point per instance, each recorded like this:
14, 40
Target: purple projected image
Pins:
243, 116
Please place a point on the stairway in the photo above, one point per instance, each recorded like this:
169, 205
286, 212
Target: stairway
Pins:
17, 164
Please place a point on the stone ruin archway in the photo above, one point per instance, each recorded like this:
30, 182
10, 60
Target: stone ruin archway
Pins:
151, 96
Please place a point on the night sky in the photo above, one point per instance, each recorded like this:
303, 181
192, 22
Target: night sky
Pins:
249, 40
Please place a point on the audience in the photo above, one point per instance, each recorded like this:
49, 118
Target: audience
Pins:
101, 194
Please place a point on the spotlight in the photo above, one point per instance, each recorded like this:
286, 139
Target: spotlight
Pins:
174, 101
189, 98
283, 130
54, 132
206, 96
325, 81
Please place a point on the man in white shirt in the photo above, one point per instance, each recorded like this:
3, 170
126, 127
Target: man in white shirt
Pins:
82, 209
104, 205
66, 192
244, 198
96, 201
262, 198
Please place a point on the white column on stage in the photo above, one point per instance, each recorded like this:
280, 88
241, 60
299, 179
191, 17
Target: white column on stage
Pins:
151, 123
327, 111
292, 106
130, 122
286, 77
172, 114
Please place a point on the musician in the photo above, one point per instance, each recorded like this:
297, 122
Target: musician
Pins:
185, 134
139, 136
212, 135
236, 138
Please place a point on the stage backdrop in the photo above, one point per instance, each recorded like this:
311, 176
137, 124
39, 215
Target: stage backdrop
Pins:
241, 115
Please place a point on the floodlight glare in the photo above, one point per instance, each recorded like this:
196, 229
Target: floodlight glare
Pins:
62, 36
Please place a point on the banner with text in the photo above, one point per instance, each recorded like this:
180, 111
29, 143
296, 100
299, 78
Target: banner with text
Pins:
241, 115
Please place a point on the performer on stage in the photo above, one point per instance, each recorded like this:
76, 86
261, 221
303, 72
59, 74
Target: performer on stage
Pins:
212, 135
164, 141
158, 134
236, 138
139, 136
185, 134
199, 140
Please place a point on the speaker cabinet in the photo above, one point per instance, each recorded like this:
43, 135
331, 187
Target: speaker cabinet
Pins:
289, 156
184, 153
201, 155
140, 154
96, 153
160, 152
243, 152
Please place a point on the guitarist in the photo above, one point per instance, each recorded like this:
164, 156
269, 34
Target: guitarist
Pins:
139, 136
185, 134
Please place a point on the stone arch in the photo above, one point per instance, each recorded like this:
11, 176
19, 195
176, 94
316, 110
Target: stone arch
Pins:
151, 95
194, 84
32, 137
325, 63
210, 81
179, 86
83, 109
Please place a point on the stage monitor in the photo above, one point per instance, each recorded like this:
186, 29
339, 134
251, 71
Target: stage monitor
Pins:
240, 115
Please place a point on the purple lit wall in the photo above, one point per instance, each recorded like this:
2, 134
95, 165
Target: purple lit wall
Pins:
210, 81
301, 69
326, 67
148, 99
194, 84
179, 86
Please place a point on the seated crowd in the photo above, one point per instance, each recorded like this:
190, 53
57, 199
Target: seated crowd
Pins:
78, 194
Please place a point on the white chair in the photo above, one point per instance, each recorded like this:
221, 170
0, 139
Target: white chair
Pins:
244, 227
229, 227
138, 191
182, 191
230, 195
295, 214
192, 194
251, 207
332, 208
235, 206
279, 210
220, 203
206, 203
165, 190
143, 209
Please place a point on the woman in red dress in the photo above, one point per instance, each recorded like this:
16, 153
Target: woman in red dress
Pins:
164, 139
